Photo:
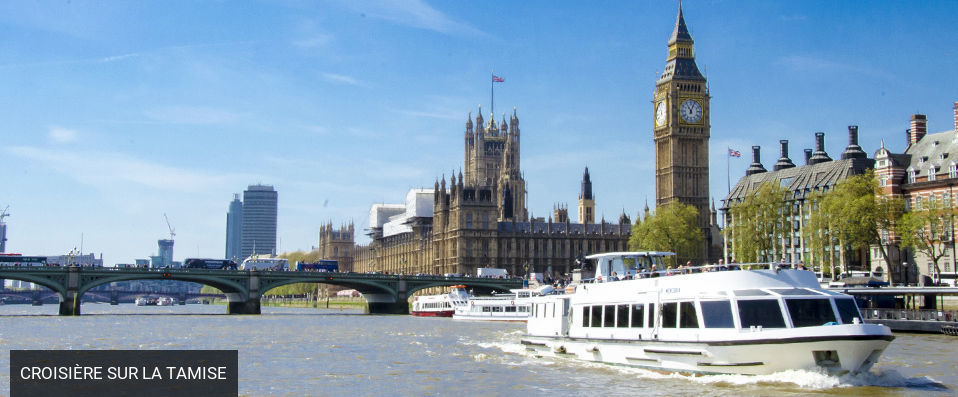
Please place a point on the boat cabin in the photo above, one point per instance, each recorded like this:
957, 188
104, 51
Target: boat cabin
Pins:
625, 265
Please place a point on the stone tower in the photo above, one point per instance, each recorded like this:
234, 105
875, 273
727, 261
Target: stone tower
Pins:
681, 130
337, 244
586, 200
492, 162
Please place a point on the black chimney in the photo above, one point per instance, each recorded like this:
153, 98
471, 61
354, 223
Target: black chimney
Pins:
756, 166
819, 156
853, 151
808, 156
783, 162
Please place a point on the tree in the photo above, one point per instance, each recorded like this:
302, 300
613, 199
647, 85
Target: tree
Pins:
760, 224
855, 214
672, 227
928, 229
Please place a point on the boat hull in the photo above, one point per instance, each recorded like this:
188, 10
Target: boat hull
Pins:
835, 353
438, 313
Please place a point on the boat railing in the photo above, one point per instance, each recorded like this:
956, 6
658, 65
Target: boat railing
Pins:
645, 273
909, 314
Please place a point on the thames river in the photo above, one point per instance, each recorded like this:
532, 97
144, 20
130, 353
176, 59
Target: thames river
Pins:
320, 352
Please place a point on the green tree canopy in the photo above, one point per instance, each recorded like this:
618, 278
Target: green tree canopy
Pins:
928, 228
672, 227
760, 224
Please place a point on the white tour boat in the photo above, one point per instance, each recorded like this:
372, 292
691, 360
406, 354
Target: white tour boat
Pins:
145, 301
704, 322
164, 301
514, 306
442, 305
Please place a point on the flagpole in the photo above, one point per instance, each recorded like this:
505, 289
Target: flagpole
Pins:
728, 177
492, 93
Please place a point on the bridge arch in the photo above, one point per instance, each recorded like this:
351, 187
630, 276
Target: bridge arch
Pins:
53, 284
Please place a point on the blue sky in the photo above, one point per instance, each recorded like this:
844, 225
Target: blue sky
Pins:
114, 113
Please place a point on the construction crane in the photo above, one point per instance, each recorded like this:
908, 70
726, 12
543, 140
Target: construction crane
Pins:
172, 231
4, 213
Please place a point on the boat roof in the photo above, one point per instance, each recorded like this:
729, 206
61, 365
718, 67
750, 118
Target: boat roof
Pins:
629, 253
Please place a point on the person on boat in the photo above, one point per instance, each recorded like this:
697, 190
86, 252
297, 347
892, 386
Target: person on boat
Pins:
654, 271
615, 277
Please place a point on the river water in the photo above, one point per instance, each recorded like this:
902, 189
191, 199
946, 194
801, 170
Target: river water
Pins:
323, 352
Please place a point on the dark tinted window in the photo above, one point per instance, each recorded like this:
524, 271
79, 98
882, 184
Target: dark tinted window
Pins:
848, 310
668, 314
622, 316
750, 292
596, 316
585, 316
651, 323
609, 320
717, 314
765, 312
637, 315
810, 312
794, 291
688, 318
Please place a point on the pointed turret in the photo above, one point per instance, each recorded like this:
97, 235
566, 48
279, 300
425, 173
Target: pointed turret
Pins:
680, 63
681, 31
586, 192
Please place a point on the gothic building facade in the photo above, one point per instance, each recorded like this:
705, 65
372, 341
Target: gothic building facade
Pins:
479, 219
681, 131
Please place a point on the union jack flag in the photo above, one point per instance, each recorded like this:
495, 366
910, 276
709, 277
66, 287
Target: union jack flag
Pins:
734, 153
497, 79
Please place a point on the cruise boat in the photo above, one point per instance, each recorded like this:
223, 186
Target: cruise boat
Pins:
164, 301
698, 321
442, 305
145, 301
514, 306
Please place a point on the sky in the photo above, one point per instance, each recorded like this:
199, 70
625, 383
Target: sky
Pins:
114, 113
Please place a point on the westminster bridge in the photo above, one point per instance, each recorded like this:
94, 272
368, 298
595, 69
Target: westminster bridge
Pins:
384, 293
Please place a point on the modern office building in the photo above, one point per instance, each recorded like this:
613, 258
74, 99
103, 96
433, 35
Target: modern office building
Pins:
3, 237
259, 221
234, 229
165, 252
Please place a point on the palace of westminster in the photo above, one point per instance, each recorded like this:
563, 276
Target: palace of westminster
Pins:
480, 219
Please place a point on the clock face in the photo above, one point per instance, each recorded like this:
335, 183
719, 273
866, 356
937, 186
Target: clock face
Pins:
660, 114
691, 111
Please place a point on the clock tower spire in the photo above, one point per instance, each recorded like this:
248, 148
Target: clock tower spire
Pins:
681, 131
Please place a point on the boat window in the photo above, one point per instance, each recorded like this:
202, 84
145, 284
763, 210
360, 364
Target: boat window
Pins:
553, 309
510, 309
609, 316
486, 309
651, 323
668, 314
764, 312
637, 315
597, 316
794, 291
750, 292
848, 310
687, 317
496, 309
717, 314
622, 316
810, 312
524, 309
585, 316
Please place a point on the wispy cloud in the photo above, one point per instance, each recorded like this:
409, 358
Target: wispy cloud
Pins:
413, 13
193, 115
344, 79
801, 63
113, 170
313, 41
62, 135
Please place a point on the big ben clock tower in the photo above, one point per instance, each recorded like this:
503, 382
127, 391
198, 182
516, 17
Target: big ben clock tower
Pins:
681, 131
